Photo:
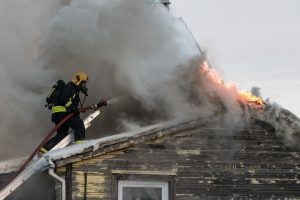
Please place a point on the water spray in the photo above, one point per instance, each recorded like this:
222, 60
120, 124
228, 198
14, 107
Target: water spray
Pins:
116, 100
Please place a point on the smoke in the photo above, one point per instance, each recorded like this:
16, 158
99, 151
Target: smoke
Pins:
256, 91
23, 24
128, 48
285, 123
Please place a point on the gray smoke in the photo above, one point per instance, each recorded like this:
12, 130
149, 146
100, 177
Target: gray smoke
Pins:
285, 123
23, 24
256, 91
128, 48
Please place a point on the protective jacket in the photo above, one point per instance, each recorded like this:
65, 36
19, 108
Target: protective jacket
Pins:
68, 100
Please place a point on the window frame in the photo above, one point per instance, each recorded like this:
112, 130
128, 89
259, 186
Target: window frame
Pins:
168, 177
143, 184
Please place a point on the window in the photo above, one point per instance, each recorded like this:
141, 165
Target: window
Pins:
143, 190
143, 185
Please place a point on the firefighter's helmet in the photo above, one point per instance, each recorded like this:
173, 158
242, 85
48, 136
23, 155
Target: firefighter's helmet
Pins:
79, 77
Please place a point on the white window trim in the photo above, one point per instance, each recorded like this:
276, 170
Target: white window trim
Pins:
150, 184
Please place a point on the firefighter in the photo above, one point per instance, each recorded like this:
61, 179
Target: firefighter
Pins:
68, 101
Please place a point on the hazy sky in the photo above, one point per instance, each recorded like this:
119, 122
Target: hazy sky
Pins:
251, 42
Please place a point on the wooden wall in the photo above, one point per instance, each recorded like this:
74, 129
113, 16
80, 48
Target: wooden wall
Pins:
208, 162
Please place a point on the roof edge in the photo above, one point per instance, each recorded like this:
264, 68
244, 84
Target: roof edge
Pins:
121, 141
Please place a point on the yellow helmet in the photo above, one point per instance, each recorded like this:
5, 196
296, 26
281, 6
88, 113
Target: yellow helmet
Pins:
78, 77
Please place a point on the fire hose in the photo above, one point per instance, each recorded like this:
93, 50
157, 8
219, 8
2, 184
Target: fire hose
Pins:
50, 134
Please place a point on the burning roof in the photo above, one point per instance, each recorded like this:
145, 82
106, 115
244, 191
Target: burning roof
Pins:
285, 123
244, 97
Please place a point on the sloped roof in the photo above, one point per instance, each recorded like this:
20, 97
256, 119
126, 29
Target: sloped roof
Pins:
101, 146
90, 148
286, 126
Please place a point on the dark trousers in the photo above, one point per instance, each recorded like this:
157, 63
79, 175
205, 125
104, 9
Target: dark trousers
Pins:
75, 122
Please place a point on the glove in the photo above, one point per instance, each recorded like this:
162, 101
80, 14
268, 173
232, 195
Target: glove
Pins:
102, 102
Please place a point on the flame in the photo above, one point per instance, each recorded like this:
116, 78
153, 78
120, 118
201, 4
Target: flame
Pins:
250, 99
244, 97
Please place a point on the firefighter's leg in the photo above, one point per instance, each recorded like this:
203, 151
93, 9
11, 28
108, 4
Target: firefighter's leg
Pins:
76, 123
62, 132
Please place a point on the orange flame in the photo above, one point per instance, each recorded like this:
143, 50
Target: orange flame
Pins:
250, 99
242, 96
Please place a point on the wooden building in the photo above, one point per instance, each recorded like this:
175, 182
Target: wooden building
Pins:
190, 160
183, 161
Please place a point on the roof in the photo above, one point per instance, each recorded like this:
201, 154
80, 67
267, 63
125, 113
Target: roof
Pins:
89, 149
101, 146
97, 146
284, 121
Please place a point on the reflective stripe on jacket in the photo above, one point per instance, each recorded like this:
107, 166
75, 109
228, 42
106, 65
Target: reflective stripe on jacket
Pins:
56, 109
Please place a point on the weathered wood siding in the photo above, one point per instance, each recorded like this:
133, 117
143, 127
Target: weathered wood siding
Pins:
208, 162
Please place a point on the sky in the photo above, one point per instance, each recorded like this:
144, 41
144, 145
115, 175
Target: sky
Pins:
251, 43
